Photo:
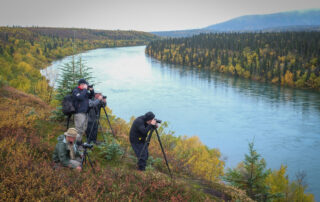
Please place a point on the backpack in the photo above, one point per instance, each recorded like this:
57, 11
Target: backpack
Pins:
68, 106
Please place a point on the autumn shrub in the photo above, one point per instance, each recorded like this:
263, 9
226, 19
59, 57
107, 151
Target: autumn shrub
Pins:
27, 174
27, 139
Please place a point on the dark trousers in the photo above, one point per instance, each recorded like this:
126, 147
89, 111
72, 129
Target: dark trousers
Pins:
137, 148
92, 131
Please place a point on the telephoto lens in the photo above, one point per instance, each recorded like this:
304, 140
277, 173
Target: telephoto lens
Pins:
87, 145
158, 121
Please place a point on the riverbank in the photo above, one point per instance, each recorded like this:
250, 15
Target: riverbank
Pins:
26, 50
206, 104
287, 59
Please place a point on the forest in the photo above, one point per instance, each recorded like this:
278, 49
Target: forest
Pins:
24, 51
29, 128
284, 58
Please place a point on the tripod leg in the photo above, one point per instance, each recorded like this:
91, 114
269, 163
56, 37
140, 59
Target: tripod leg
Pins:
109, 121
99, 125
68, 121
164, 154
83, 160
90, 163
89, 137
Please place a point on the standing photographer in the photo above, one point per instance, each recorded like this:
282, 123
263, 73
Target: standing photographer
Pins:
81, 97
66, 153
95, 106
138, 134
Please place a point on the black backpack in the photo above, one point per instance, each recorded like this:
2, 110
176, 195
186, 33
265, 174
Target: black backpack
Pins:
68, 105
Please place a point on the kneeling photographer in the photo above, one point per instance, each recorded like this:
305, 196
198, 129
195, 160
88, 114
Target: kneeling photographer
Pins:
66, 153
138, 134
95, 106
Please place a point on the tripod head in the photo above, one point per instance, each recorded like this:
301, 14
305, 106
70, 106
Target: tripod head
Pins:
84, 145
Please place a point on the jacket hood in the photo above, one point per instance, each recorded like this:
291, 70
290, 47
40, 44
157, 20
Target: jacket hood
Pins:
61, 138
148, 116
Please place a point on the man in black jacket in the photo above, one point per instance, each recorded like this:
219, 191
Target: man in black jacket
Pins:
138, 134
81, 98
95, 106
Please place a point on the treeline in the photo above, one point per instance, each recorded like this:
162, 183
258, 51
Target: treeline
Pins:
24, 51
287, 58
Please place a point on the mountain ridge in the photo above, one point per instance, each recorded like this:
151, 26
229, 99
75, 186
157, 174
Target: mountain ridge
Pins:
298, 20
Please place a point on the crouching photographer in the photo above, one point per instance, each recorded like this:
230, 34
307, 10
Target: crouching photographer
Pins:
66, 153
95, 106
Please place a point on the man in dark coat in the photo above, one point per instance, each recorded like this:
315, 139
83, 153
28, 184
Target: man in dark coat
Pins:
138, 134
95, 106
81, 98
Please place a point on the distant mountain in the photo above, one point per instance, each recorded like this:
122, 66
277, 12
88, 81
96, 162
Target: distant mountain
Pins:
308, 20
261, 22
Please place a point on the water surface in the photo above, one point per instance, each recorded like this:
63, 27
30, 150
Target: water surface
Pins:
225, 112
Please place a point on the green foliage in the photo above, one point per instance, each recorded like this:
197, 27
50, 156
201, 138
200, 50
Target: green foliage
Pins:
261, 184
287, 58
154, 163
110, 149
70, 73
251, 175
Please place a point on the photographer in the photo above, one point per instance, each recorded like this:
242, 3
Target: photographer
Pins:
138, 134
81, 97
95, 106
65, 153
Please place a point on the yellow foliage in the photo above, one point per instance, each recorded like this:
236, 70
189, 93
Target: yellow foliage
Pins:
202, 161
279, 183
288, 78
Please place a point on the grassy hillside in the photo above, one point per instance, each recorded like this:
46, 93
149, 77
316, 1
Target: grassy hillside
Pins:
27, 139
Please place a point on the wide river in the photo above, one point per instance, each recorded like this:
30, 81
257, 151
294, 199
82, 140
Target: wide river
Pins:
225, 112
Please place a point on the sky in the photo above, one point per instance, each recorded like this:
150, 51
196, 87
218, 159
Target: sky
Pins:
141, 15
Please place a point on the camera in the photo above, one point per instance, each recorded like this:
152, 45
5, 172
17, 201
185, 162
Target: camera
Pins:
104, 97
158, 121
84, 145
87, 145
90, 86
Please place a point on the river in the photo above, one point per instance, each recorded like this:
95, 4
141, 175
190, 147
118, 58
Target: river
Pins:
225, 112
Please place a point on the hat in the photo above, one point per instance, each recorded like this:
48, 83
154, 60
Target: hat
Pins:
149, 116
72, 132
82, 81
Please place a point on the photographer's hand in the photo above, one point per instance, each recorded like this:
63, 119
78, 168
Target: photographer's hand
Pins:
79, 168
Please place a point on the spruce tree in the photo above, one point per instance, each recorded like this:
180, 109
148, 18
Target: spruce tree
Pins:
69, 75
250, 175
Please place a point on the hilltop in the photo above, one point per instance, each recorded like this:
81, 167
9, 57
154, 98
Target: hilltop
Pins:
301, 20
27, 139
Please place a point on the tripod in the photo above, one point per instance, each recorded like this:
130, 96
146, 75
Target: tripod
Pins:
105, 112
97, 123
146, 145
84, 158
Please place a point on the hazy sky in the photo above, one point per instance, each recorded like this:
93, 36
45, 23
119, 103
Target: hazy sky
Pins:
143, 15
